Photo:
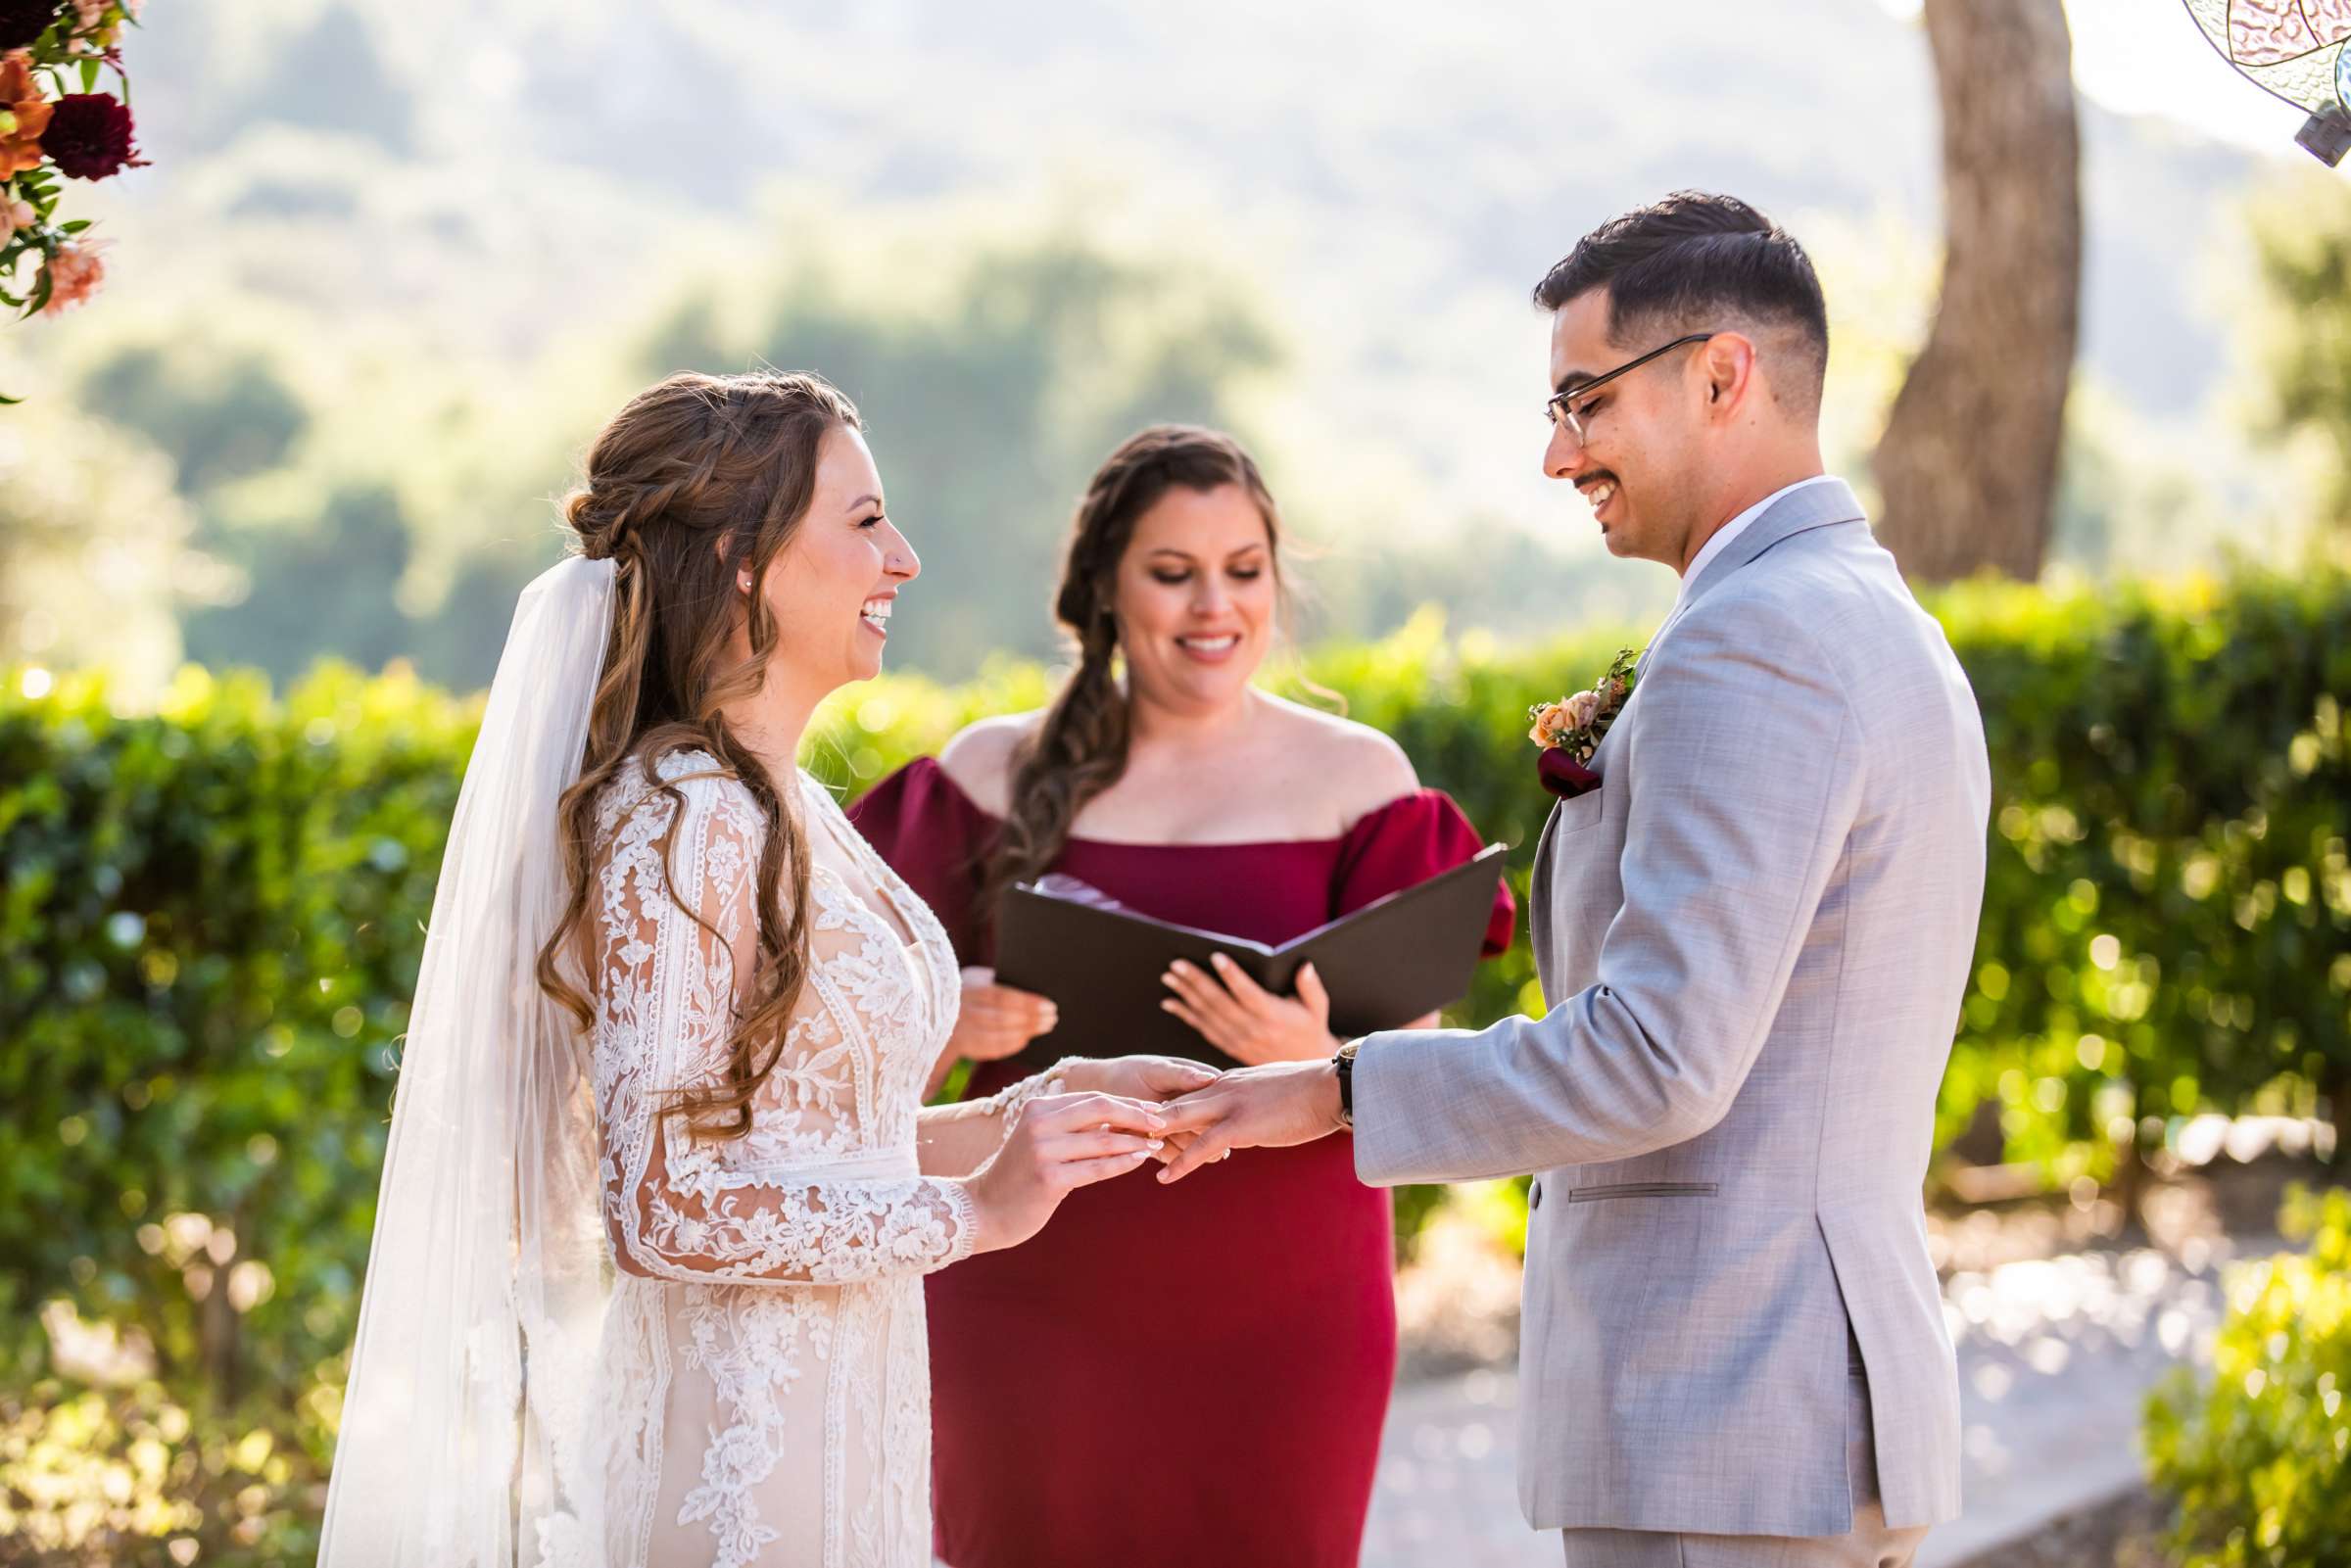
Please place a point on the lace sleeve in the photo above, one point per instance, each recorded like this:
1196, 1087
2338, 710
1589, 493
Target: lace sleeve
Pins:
796, 1202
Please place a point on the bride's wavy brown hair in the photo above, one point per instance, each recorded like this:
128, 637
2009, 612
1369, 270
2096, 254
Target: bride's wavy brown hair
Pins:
695, 481
1080, 749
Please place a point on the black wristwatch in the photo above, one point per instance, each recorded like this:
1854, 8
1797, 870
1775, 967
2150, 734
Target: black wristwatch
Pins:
1344, 1061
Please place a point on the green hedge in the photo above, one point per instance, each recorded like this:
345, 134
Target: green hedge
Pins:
2167, 921
213, 914
211, 926
2258, 1458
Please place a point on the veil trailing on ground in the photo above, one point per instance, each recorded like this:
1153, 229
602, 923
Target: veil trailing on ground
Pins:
487, 1256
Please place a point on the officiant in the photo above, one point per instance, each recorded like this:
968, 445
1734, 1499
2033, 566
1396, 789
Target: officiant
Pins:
1164, 778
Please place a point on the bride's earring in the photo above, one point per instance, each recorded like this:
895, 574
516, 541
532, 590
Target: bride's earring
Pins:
743, 581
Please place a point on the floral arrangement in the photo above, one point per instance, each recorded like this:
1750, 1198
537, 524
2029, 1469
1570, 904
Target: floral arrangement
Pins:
56, 126
1571, 730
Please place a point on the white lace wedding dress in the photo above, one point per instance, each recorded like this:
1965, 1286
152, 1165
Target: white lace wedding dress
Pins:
763, 1391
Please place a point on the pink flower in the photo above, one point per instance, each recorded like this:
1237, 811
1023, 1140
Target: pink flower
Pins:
1582, 708
14, 213
74, 273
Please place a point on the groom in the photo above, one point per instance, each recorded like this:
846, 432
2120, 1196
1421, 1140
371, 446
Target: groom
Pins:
1754, 931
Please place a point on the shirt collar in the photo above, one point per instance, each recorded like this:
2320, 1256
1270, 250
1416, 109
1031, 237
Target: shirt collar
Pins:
1733, 529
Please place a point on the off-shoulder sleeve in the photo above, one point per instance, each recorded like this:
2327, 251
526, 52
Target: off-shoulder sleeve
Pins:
675, 936
933, 838
1406, 841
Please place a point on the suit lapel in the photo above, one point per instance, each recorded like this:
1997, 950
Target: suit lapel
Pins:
1538, 887
1813, 506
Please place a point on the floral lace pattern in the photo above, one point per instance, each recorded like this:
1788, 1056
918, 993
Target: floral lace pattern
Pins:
763, 1383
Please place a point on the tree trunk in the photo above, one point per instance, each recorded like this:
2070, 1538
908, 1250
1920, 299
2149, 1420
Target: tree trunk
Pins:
1968, 464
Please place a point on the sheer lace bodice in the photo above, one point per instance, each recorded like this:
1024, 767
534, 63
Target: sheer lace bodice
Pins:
763, 1374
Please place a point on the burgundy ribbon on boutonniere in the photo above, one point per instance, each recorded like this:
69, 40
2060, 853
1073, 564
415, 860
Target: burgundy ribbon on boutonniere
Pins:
1562, 775
1571, 730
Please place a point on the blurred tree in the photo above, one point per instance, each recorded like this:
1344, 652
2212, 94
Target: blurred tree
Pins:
1968, 464
95, 553
2302, 237
990, 393
219, 414
323, 584
328, 76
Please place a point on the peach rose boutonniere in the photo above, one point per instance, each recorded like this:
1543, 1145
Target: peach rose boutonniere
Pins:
1571, 730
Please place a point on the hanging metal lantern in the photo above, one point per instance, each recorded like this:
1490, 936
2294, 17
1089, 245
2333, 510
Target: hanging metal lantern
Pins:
2293, 49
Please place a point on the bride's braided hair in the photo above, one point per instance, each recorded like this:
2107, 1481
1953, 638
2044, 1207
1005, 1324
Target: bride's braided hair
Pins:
695, 481
1080, 749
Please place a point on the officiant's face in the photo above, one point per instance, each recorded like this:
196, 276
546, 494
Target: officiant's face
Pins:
1636, 465
1196, 597
832, 589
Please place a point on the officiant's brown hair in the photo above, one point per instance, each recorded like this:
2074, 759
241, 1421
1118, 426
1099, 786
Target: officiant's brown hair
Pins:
1080, 749
695, 481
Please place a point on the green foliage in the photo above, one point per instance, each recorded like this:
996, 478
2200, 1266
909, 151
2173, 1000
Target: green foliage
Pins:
2260, 1457
106, 1476
211, 916
2302, 235
207, 940
217, 421
2168, 902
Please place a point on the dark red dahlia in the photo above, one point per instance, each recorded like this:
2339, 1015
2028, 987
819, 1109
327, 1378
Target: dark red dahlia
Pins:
24, 21
89, 135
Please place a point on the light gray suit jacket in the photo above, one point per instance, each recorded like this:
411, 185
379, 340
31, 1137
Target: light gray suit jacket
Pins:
1756, 933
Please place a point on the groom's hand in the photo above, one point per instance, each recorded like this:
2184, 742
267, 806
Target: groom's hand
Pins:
1255, 1108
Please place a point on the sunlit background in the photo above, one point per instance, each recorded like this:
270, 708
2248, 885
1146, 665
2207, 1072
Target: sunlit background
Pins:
394, 262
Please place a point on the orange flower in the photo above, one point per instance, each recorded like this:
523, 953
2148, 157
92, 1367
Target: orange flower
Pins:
23, 113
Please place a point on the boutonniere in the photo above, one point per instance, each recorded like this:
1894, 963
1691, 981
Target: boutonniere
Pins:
1571, 730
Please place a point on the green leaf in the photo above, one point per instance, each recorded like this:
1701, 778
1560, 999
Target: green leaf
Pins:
89, 76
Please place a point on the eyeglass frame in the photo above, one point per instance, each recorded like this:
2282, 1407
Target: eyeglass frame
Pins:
1557, 414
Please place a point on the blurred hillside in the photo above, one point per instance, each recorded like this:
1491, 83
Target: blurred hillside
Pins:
396, 261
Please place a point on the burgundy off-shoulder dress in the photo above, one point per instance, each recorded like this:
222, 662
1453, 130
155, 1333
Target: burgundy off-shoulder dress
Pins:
1184, 1376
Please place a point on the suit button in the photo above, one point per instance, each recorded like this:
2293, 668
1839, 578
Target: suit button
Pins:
1534, 1196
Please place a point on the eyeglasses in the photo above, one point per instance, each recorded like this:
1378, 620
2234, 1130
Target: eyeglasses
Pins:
1570, 410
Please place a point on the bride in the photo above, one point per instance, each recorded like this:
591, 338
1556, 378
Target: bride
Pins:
659, 1192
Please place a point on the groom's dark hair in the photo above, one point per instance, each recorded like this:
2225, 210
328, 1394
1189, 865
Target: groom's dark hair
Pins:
1697, 262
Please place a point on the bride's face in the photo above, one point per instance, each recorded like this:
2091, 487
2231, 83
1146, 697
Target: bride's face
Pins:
833, 588
1196, 597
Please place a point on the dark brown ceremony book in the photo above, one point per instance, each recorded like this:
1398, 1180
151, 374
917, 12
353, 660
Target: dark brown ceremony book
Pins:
1385, 965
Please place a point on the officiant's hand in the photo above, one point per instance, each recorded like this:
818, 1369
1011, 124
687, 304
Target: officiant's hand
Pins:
1255, 1107
997, 1021
1248, 1023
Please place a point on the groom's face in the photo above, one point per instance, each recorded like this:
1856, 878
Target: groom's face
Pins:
1633, 468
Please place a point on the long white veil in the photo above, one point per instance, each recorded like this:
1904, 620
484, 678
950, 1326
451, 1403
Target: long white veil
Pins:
488, 1259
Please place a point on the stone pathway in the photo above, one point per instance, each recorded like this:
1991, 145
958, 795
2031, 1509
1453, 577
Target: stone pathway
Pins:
2055, 1359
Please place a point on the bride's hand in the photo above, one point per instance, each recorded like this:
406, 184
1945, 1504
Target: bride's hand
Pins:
997, 1021
1248, 1023
1056, 1144
1149, 1078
